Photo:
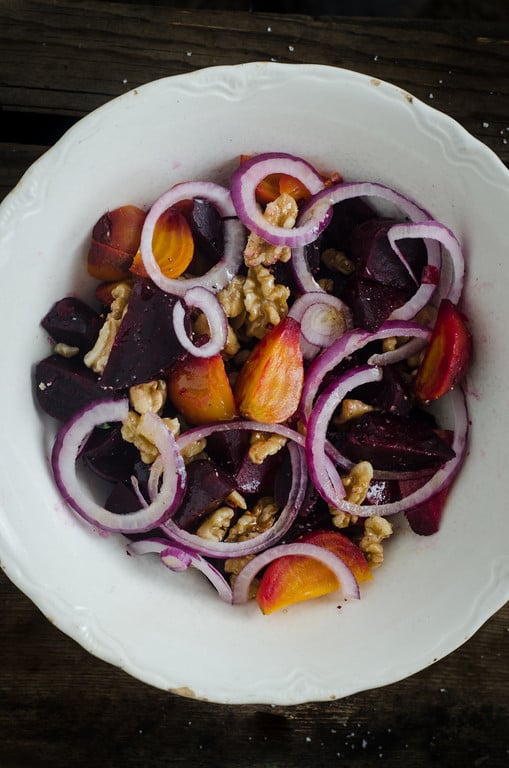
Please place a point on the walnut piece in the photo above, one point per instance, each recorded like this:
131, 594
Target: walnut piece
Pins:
232, 346
258, 520
132, 432
231, 297
357, 482
216, 525
337, 261
150, 396
65, 350
97, 357
341, 519
376, 529
264, 444
264, 300
352, 409
283, 213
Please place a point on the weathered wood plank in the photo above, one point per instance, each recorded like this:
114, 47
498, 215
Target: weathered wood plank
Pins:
56, 697
54, 63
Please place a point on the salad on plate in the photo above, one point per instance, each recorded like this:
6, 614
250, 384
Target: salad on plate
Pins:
268, 375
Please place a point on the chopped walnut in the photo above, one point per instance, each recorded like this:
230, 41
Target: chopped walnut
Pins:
150, 396
236, 500
357, 482
341, 519
234, 565
376, 529
390, 344
132, 432
326, 284
337, 261
232, 346
194, 451
264, 444
352, 409
283, 213
264, 300
65, 350
258, 520
97, 357
216, 525
231, 297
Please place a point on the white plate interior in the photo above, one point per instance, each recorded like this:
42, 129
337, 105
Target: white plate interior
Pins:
169, 630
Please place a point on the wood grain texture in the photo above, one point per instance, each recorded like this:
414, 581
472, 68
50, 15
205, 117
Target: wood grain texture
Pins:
61, 707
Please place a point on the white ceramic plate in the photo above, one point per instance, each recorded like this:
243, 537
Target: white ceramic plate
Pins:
170, 631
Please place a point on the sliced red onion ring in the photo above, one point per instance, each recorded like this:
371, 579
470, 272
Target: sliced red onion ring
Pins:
234, 238
350, 342
323, 318
207, 302
430, 230
71, 437
345, 191
439, 481
406, 350
346, 580
224, 549
178, 559
246, 178
325, 478
306, 283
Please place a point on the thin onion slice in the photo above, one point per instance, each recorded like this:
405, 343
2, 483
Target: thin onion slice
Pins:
346, 579
234, 238
442, 478
69, 441
249, 174
225, 549
338, 193
201, 298
349, 343
179, 559
324, 477
323, 317
432, 276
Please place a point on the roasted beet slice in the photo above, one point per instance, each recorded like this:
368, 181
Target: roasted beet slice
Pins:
389, 394
425, 519
207, 488
394, 442
382, 492
227, 449
145, 344
71, 321
375, 259
258, 478
346, 217
64, 385
372, 303
122, 500
207, 229
109, 455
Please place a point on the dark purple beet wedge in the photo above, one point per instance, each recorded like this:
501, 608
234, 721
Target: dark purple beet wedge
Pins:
145, 345
375, 259
227, 449
108, 455
71, 321
389, 394
207, 488
346, 217
207, 229
394, 442
372, 303
65, 385
258, 478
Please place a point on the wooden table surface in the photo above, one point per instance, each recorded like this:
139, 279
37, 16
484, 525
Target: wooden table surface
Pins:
59, 706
